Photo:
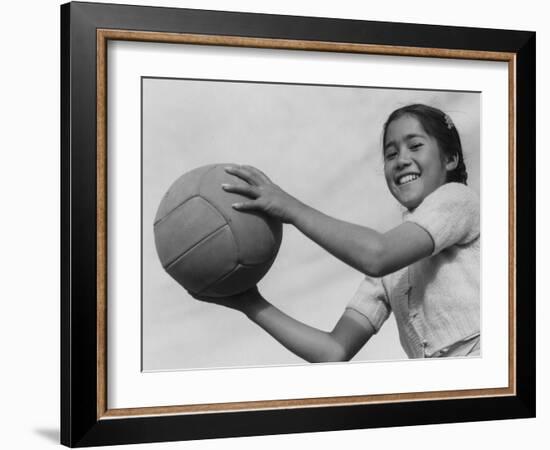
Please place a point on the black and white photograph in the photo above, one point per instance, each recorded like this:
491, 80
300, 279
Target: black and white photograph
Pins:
271, 225
280, 224
286, 224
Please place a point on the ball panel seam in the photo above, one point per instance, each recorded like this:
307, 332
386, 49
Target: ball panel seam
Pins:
204, 239
198, 194
269, 222
222, 277
169, 213
167, 255
206, 172
234, 269
228, 223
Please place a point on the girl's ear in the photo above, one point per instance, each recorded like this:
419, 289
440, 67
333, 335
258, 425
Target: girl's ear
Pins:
452, 163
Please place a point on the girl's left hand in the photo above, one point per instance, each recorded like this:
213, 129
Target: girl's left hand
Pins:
243, 302
265, 195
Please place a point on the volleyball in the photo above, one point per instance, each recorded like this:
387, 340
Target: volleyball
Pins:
206, 245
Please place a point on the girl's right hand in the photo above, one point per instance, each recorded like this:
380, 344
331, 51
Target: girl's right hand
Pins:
263, 194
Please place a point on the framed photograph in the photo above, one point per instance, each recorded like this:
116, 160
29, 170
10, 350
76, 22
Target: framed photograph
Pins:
277, 224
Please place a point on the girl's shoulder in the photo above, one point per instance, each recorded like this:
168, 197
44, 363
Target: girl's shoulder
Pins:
450, 214
452, 195
458, 190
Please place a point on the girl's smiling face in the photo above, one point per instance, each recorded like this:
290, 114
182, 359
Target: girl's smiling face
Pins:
414, 165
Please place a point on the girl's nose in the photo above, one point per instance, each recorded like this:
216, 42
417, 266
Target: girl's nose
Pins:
403, 158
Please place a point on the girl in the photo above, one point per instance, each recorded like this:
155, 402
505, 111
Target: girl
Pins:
425, 270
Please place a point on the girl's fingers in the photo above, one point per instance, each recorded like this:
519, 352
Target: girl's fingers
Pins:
248, 191
247, 173
246, 206
239, 173
258, 174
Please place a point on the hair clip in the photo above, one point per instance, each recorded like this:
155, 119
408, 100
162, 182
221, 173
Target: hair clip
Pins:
449, 122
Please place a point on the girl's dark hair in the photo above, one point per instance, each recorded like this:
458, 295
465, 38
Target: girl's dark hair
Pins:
440, 126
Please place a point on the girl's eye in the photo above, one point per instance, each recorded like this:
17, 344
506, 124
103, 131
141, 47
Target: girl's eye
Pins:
391, 155
416, 146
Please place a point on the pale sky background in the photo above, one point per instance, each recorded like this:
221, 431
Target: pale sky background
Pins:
320, 143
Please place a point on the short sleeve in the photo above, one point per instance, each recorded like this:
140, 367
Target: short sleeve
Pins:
370, 300
450, 215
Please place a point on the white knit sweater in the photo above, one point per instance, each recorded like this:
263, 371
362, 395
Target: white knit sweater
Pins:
436, 301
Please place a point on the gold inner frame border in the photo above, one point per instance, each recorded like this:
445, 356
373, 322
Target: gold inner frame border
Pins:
103, 36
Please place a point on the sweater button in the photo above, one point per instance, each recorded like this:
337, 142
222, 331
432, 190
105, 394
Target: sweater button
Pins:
424, 343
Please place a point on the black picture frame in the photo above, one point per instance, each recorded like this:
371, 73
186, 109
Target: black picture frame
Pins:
82, 423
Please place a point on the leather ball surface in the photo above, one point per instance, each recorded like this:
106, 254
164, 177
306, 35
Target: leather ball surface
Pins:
204, 243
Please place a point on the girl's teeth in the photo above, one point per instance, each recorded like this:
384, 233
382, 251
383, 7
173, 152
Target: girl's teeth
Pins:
407, 179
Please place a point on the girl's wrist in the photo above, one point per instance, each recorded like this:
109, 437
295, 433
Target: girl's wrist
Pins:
294, 212
253, 305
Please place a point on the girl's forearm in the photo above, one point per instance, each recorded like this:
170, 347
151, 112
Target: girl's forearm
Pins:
357, 246
307, 342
